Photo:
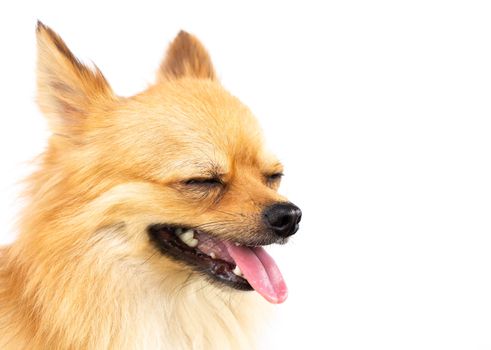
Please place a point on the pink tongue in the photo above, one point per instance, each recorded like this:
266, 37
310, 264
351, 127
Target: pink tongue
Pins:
261, 272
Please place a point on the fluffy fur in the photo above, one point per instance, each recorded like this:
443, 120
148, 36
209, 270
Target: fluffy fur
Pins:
83, 273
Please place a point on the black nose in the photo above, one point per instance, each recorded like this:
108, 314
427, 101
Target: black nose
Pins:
282, 218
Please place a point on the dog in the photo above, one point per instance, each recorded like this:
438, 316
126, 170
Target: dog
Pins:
145, 221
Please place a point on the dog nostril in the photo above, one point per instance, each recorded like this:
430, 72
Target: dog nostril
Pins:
282, 221
282, 218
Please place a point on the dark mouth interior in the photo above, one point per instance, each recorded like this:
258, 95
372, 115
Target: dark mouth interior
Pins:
166, 238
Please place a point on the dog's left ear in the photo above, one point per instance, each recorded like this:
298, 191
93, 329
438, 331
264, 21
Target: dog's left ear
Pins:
186, 57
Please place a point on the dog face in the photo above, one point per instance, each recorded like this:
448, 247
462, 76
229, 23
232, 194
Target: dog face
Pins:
182, 165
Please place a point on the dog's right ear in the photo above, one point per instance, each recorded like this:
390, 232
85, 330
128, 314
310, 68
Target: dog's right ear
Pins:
67, 90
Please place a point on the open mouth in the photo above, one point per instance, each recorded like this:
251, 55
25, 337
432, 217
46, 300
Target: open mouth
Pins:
238, 266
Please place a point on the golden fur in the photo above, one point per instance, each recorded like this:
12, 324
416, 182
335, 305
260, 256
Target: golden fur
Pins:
82, 273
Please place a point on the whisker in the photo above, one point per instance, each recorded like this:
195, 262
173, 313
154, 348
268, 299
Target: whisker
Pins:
228, 213
151, 256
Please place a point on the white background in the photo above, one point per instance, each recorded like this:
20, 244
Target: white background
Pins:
379, 109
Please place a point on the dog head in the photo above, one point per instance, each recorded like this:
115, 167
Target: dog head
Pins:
181, 166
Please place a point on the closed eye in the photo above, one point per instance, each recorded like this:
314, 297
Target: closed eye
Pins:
274, 178
204, 182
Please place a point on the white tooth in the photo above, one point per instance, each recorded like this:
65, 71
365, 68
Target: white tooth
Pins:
237, 244
237, 271
213, 255
193, 242
186, 235
188, 238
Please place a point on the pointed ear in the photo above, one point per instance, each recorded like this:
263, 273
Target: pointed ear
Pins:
67, 90
186, 57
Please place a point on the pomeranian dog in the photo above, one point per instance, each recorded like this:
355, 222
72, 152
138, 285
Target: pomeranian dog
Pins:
145, 222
